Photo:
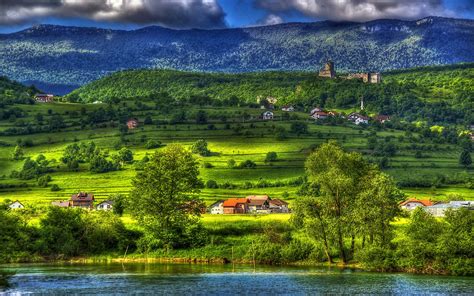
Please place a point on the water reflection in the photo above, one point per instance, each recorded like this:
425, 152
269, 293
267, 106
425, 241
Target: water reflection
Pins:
196, 279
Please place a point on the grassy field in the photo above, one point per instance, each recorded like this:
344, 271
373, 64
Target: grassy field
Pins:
255, 140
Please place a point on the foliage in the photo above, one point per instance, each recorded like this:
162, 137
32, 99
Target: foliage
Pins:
17, 153
271, 157
465, 158
200, 147
164, 198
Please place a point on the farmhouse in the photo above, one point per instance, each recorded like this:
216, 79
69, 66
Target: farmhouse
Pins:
288, 108
132, 123
16, 205
413, 203
382, 118
278, 206
61, 204
438, 210
358, 118
319, 115
82, 200
259, 203
217, 208
44, 98
235, 206
106, 205
267, 115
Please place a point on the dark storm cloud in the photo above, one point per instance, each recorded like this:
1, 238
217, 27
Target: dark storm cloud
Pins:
357, 10
170, 13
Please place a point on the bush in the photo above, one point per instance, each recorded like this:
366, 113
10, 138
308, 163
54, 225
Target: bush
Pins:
44, 180
200, 147
55, 187
152, 144
377, 258
211, 184
271, 157
231, 163
248, 164
207, 165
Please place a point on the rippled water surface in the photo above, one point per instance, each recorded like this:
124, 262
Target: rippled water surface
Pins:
184, 279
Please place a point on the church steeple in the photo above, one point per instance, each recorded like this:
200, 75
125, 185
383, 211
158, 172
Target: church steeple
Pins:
362, 103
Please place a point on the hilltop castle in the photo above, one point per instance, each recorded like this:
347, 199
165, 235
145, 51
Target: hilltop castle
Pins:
366, 77
329, 71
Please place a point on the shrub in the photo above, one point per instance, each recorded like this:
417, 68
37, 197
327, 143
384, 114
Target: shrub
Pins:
44, 180
271, 157
211, 184
200, 147
247, 164
152, 144
55, 187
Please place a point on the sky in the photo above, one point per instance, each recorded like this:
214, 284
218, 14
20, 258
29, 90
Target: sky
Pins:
16, 15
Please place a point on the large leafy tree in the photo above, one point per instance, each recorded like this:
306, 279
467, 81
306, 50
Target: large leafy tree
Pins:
165, 197
345, 197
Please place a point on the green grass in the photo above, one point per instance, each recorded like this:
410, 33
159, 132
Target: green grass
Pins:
225, 144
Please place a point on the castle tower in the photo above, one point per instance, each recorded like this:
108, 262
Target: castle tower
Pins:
328, 71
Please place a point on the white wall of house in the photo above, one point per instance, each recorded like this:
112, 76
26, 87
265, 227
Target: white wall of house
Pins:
218, 209
16, 205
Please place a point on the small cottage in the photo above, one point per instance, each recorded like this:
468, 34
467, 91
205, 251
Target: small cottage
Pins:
413, 203
438, 210
217, 208
106, 205
358, 118
132, 123
267, 115
317, 109
44, 98
235, 206
16, 205
382, 118
278, 206
320, 115
82, 200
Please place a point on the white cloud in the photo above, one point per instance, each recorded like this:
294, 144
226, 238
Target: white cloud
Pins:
272, 19
169, 13
357, 10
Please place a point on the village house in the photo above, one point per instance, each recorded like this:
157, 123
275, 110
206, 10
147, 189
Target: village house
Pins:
16, 205
438, 210
132, 123
278, 206
44, 98
259, 203
317, 109
358, 118
333, 114
217, 208
61, 204
382, 118
319, 115
235, 206
106, 205
288, 109
413, 203
267, 115
82, 200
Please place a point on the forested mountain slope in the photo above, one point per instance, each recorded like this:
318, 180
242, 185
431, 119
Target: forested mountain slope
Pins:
61, 58
440, 94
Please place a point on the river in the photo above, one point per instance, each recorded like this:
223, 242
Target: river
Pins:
195, 279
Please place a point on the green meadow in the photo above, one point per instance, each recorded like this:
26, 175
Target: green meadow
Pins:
253, 140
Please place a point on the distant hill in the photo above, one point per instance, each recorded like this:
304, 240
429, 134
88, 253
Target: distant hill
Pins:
71, 56
440, 93
12, 92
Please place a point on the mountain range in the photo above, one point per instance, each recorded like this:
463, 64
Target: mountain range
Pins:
59, 59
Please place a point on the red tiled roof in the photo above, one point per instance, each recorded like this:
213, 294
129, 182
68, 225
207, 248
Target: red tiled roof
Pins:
264, 197
424, 202
232, 202
257, 202
82, 196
